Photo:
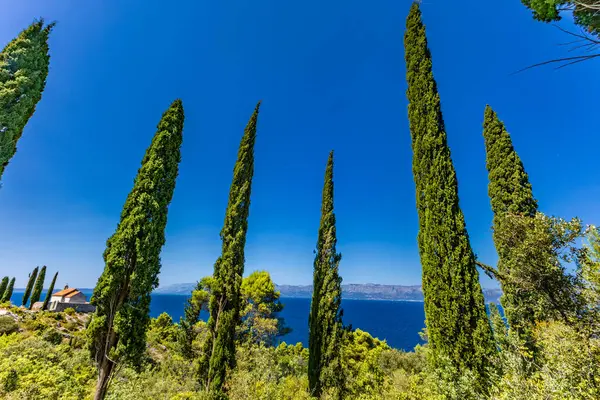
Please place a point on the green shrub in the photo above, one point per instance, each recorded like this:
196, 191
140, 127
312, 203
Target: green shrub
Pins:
9, 383
69, 311
7, 325
52, 336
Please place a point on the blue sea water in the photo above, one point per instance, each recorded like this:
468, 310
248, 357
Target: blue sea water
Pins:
398, 322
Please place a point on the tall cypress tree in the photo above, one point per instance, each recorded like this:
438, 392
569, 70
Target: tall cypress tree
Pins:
510, 192
29, 286
23, 71
3, 286
39, 286
132, 256
224, 304
49, 293
325, 319
9, 291
457, 325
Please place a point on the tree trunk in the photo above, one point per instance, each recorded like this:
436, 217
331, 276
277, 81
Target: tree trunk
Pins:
104, 372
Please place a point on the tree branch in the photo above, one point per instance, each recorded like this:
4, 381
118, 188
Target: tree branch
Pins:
489, 270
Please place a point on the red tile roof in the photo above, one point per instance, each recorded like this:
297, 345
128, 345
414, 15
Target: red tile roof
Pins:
66, 292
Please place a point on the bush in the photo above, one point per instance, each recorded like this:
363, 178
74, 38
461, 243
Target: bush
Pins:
9, 383
52, 336
7, 325
69, 311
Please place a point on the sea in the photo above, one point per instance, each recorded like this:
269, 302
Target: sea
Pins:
396, 322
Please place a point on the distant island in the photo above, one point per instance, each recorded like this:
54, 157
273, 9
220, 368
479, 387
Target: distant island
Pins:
362, 291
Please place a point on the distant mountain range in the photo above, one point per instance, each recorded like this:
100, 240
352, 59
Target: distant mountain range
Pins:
363, 291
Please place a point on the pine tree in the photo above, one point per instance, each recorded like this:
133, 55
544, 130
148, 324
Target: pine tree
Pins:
132, 256
224, 305
29, 286
325, 319
39, 286
9, 291
3, 286
458, 329
49, 293
23, 71
510, 192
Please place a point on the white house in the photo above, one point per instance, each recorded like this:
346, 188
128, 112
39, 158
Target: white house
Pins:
68, 295
70, 298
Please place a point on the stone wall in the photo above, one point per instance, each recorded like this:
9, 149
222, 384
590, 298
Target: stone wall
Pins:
79, 307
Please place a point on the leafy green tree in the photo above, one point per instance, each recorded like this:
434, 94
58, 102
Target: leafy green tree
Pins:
457, 324
9, 291
325, 337
49, 294
23, 71
540, 250
586, 13
39, 286
224, 303
29, 286
3, 286
197, 302
132, 256
259, 313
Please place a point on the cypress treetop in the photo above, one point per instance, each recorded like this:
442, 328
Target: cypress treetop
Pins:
325, 319
9, 291
224, 304
39, 286
509, 188
457, 325
29, 286
132, 256
49, 293
3, 286
23, 71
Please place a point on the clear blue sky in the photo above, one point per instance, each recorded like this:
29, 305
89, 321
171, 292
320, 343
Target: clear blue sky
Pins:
331, 75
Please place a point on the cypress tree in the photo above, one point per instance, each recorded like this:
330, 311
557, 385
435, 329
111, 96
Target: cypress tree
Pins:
510, 192
3, 286
132, 256
325, 319
9, 291
224, 304
39, 286
23, 71
29, 286
458, 329
49, 293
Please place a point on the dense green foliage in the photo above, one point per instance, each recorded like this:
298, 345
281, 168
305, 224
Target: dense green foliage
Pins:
260, 322
49, 293
197, 302
3, 286
29, 286
224, 305
132, 255
325, 320
23, 71
585, 12
8, 292
457, 324
510, 192
38, 287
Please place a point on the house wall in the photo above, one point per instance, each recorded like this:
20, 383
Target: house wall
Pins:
78, 298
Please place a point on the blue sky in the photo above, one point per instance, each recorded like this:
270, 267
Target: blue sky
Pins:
331, 75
